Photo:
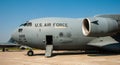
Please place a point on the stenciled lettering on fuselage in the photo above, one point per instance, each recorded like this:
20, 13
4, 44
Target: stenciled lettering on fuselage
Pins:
56, 25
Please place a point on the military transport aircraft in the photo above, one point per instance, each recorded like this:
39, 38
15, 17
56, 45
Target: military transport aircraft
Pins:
52, 33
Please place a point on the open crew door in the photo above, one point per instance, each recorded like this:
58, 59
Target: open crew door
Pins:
49, 45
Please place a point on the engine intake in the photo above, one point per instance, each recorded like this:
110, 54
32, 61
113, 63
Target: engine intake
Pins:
98, 26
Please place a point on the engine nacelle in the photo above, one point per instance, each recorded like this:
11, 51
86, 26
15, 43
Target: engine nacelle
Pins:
98, 26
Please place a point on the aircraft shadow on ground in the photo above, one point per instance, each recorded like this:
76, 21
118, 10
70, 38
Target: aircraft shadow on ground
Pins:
89, 53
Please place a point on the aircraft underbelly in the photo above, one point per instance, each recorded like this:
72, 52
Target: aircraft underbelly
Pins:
70, 44
68, 47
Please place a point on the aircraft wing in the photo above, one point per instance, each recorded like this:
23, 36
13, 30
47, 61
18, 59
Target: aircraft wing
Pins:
107, 43
102, 41
7, 44
10, 43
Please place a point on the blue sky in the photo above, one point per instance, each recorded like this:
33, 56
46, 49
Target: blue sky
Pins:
15, 12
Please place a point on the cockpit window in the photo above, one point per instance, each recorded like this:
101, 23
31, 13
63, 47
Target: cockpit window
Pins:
23, 24
20, 30
29, 24
26, 24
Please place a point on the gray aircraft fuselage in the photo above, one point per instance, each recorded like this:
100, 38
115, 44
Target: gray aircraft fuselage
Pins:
97, 33
65, 33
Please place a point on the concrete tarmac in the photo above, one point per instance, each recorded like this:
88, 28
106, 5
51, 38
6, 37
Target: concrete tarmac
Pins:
59, 58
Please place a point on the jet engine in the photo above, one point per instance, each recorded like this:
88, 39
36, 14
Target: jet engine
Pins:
99, 26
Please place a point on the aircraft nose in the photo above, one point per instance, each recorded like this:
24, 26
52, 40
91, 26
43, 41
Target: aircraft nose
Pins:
15, 36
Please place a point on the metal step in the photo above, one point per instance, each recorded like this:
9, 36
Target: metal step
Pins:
48, 51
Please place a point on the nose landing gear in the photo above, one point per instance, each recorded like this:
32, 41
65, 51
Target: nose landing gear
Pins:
30, 53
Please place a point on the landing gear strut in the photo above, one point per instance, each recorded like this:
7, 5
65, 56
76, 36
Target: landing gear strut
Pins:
3, 49
30, 53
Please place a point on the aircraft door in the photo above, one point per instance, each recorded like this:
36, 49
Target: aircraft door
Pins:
49, 45
49, 39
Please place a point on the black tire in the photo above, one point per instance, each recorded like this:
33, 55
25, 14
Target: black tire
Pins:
30, 53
